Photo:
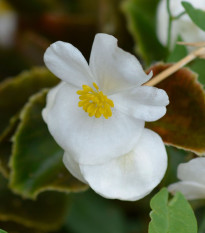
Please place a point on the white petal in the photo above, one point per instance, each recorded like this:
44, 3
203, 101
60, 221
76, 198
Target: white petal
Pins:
8, 28
193, 171
133, 175
50, 100
145, 103
114, 68
73, 167
68, 64
190, 190
92, 140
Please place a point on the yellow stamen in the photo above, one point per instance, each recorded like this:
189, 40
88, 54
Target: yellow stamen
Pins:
94, 102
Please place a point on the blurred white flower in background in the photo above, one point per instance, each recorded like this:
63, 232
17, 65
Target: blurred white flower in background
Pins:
97, 115
192, 176
8, 24
182, 26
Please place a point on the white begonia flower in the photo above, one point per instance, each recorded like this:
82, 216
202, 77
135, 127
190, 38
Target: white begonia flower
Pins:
192, 176
128, 177
8, 24
97, 114
182, 26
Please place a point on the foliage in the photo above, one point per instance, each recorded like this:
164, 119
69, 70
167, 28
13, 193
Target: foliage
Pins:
171, 216
46, 213
14, 93
197, 15
2, 231
28, 175
140, 16
183, 124
20, 89
178, 52
36, 160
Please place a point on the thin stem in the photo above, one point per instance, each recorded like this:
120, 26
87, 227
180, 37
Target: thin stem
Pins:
171, 19
193, 44
169, 26
166, 73
168, 8
179, 15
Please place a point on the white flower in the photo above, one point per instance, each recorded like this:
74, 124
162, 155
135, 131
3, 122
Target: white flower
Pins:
8, 24
183, 26
192, 176
97, 114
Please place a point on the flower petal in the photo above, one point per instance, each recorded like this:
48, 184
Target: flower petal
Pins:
133, 175
8, 28
68, 64
50, 100
114, 68
91, 140
73, 167
145, 103
192, 171
190, 190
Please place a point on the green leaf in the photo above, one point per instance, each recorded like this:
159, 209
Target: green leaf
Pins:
183, 125
6, 145
140, 16
2, 231
198, 67
85, 209
200, 215
178, 52
196, 15
171, 216
13, 227
36, 161
14, 93
46, 213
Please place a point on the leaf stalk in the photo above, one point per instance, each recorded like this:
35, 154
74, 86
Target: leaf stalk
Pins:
172, 69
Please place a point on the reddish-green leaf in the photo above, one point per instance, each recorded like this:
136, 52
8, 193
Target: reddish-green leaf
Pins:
183, 125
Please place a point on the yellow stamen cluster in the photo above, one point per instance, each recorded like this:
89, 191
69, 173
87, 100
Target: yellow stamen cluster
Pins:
95, 103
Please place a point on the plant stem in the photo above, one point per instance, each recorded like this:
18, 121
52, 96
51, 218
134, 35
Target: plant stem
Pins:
166, 73
179, 15
169, 26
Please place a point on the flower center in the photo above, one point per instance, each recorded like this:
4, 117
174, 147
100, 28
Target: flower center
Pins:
94, 102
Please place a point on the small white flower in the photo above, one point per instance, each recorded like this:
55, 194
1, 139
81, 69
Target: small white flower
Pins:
192, 176
8, 24
183, 26
97, 114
